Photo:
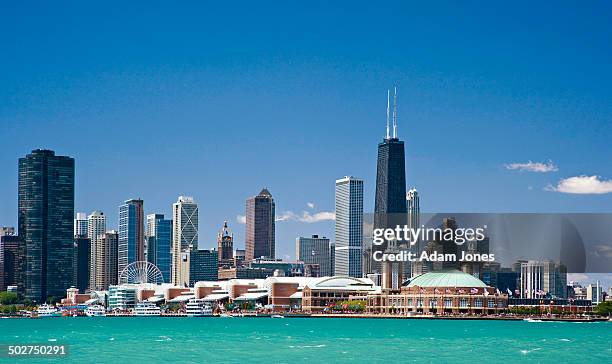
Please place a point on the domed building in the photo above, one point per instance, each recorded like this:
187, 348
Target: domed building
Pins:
444, 292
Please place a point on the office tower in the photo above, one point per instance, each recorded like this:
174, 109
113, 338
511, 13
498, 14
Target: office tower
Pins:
46, 230
239, 258
225, 246
82, 263
314, 250
106, 273
414, 209
349, 226
131, 233
159, 243
390, 201
543, 276
260, 227
80, 224
96, 227
9, 259
203, 265
184, 234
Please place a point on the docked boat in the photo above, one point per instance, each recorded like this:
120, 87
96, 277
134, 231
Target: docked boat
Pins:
197, 308
277, 316
147, 309
95, 311
46, 311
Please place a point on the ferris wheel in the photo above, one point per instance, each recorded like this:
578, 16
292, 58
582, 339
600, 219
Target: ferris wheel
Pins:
141, 272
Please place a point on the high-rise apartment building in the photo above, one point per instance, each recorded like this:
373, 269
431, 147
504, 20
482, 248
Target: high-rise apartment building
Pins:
46, 229
106, 273
260, 226
96, 227
9, 259
315, 250
184, 235
80, 224
349, 226
159, 242
131, 233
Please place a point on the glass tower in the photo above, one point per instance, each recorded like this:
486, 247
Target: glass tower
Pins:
159, 242
260, 226
46, 229
349, 227
131, 233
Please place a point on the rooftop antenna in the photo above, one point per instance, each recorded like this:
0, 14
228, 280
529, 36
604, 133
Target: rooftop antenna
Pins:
394, 112
388, 95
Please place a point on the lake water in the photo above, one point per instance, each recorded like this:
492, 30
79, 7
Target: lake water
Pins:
291, 340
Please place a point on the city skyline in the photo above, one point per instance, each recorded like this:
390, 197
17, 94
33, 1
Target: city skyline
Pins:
504, 110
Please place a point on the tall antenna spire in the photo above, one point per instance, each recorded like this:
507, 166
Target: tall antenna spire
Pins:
388, 95
394, 112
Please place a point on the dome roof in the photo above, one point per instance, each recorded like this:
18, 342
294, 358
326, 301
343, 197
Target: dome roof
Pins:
446, 278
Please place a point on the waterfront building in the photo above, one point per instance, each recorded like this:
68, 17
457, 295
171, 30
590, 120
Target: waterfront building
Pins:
80, 224
106, 271
203, 265
122, 297
540, 278
595, 293
442, 292
9, 259
315, 250
225, 246
390, 200
184, 235
131, 233
260, 226
45, 219
241, 272
82, 262
96, 227
321, 293
159, 242
349, 226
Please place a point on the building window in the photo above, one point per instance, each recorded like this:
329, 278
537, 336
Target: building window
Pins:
448, 302
463, 303
491, 303
478, 302
433, 303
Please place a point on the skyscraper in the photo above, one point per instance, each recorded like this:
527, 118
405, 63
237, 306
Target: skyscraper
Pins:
349, 226
225, 246
390, 202
260, 226
315, 250
45, 218
82, 263
203, 265
107, 261
9, 260
184, 234
80, 224
131, 233
159, 242
96, 227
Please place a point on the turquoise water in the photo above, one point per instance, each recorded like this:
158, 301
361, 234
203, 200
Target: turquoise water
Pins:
291, 340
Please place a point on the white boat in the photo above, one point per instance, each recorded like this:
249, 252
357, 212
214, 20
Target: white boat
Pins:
46, 311
147, 309
95, 310
226, 315
197, 308
277, 316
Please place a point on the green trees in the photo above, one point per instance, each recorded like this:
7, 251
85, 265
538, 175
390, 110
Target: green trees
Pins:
8, 298
604, 308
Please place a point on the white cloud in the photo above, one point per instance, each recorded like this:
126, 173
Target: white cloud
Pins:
310, 205
532, 167
582, 185
306, 216
577, 277
241, 219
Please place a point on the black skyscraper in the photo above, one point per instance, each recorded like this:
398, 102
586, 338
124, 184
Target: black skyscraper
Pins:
390, 203
46, 210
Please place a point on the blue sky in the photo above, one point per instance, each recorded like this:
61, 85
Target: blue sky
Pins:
156, 100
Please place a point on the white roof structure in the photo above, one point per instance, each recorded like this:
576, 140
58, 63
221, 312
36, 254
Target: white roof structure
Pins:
251, 296
181, 298
342, 283
216, 297
296, 295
